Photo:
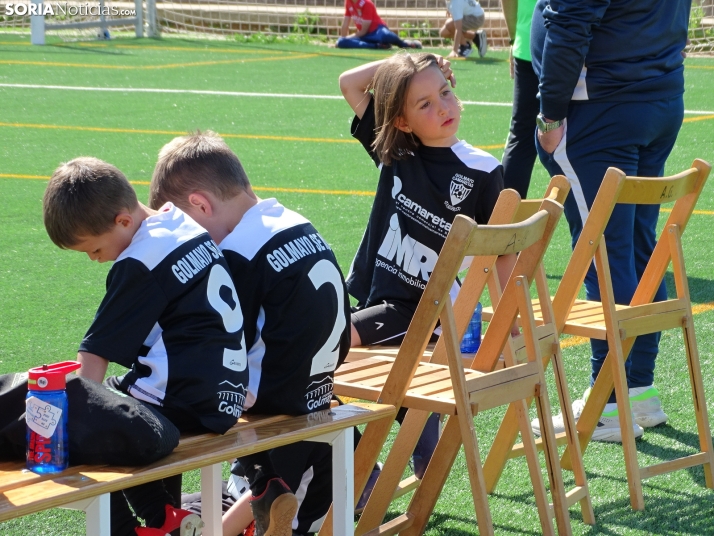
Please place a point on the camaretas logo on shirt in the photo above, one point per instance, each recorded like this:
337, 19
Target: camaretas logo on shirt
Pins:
459, 189
414, 211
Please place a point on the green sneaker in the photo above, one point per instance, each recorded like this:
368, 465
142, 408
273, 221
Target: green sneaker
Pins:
646, 406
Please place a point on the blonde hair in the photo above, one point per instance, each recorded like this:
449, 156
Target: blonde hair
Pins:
83, 199
390, 86
199, 161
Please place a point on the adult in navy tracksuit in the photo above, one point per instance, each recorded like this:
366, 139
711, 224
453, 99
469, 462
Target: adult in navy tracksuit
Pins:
612, 71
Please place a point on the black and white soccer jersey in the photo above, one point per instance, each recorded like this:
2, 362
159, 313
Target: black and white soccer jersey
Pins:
296, 309
171, 314
416, 201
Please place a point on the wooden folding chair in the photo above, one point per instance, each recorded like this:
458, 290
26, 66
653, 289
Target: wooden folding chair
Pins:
503, 447
621, 324
443, 385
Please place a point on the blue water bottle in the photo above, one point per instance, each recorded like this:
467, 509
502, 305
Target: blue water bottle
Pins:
46, 417
472, 337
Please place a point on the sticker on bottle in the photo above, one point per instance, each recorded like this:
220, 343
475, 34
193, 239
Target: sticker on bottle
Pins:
42, 417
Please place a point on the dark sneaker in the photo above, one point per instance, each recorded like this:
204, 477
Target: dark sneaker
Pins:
412, 43
482, 42
465, 50
274, 509
426, 445
181, 522
368, 489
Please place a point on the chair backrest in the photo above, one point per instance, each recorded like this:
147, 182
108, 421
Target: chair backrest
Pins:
683, 189
509, 209
528, 239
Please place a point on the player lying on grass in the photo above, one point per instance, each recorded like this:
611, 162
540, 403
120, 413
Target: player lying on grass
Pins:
170, 314
372, 32
296, 315
407, 117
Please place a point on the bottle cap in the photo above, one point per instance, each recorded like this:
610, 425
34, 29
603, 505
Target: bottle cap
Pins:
51, 377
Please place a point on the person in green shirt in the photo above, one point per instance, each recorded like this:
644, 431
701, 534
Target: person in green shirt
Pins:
520, 154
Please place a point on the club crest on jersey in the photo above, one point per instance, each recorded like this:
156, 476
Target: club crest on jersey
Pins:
460, 188
319, 393
458, 192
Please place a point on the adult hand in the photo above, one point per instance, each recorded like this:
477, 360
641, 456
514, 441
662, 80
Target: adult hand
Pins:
550, 140
445, 66
453, 54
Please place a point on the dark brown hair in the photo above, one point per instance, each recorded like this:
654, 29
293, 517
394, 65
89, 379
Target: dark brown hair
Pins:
390, 85
199, 161
83, 199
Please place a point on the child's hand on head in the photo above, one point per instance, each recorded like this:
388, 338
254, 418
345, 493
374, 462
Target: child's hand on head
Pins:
445, 66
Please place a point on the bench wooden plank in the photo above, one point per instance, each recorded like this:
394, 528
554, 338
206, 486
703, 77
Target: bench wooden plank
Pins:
29, 494
12, 473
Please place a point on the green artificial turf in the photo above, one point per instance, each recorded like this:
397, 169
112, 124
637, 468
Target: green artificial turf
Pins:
48, 297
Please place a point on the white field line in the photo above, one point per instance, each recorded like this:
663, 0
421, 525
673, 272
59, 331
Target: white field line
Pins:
210, 92
243, 94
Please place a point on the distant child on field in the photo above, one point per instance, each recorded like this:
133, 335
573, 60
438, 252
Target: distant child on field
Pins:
296, 314
371, 32
171, 315
407, 117
463, 25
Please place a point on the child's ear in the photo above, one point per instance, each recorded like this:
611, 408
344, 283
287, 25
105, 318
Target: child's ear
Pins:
402, 125
200, 202
124, 219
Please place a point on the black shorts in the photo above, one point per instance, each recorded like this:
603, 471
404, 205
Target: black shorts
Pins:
104, 426
385, 323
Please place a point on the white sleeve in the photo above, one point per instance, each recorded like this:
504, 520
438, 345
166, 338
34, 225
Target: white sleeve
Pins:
456, 8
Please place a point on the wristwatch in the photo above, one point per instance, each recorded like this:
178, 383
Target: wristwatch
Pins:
543, 126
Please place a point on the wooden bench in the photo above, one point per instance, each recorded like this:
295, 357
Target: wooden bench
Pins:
87, 488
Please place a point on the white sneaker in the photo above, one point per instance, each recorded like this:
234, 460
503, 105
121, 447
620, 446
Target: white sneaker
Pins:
608, 426
646, 406
558, 421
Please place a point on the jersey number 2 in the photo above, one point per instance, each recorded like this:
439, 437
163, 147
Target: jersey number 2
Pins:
325, 359
232, 317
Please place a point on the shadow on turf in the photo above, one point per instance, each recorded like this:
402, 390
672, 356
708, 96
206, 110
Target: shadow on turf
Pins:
700, 290
665, 514
665, 453
64, 47
440, 523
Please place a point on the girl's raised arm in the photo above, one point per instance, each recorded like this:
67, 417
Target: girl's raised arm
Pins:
354, 84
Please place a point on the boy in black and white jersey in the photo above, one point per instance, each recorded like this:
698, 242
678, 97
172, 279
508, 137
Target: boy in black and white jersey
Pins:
171, 315
296, 309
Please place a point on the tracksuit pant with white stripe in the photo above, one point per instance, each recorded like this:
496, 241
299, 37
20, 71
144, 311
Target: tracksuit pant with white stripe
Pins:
636, 137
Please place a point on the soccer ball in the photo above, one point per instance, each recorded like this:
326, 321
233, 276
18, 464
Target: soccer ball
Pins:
103, 35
